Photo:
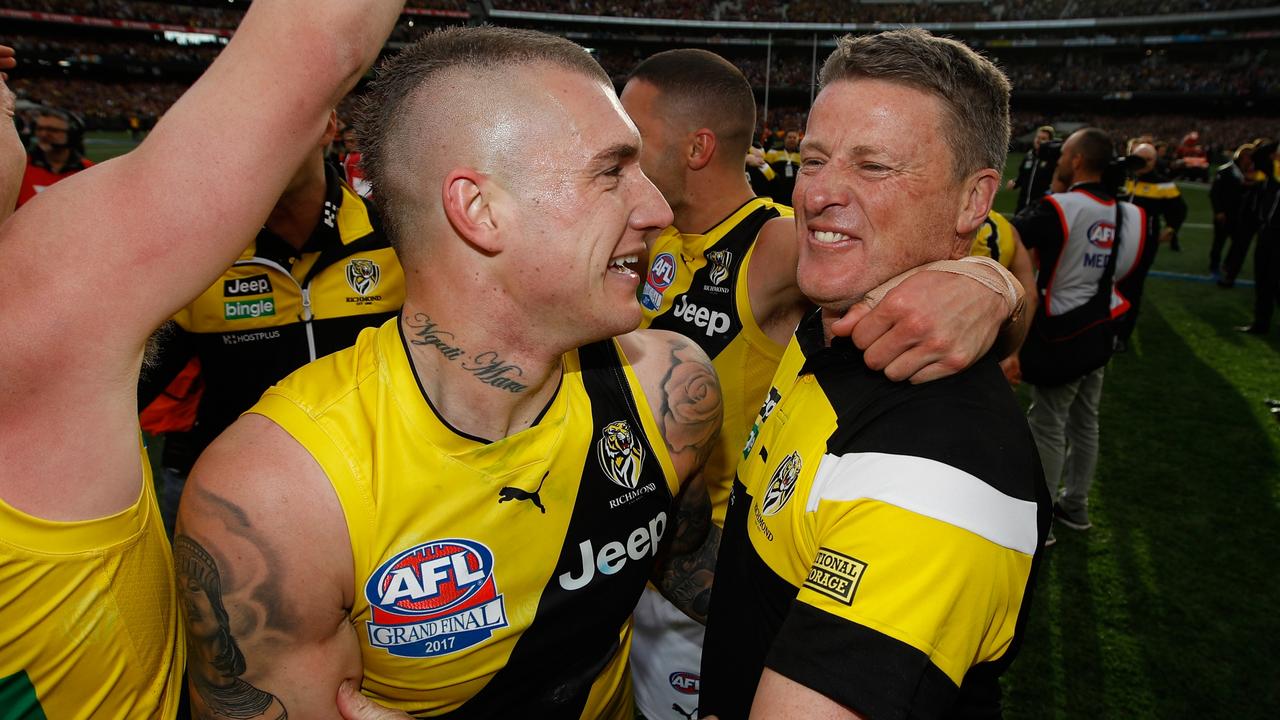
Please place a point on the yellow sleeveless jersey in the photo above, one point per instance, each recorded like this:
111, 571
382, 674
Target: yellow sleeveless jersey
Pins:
697, 286
494, 579
995, 240
89, 616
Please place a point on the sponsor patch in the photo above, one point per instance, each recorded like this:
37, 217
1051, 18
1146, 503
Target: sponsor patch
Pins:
252, 285
662, 272
835, 575
363, 275
434, 599
782, 485
685, 682
766, 410
621, 455
248, 309
711, 322
1102, 234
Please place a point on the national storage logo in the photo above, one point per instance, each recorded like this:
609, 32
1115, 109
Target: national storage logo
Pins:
248, 309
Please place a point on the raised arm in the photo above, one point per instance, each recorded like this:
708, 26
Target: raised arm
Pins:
102, 258
684, 394
263, 565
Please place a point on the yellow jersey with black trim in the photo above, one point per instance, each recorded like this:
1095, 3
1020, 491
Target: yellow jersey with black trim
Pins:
1158, 189
278, 308
881, 542
697, 286
494, 579
89, 615
995, 240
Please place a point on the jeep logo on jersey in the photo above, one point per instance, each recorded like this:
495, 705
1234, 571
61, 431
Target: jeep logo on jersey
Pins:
613, 556
620, 455
720, 261
662, 272
714, 321
782, 484
252, 285
363, 275
434, 599
1102, 234
685, 682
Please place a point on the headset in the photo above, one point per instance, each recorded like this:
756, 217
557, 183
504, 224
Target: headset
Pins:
75, 126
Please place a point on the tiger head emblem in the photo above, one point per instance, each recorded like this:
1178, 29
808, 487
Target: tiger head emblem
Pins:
720, 261
620, 455
782, 484
363, 275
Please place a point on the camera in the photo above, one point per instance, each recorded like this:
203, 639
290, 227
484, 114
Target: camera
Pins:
1050, 151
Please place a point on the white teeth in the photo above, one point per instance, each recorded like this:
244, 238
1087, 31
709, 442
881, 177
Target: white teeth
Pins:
622, 261
828, 237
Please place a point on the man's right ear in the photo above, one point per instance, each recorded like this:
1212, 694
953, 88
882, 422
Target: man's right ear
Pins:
468, 196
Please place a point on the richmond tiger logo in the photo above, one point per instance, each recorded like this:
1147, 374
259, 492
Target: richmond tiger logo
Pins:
621, 456
363, 275
782, 484
720, 261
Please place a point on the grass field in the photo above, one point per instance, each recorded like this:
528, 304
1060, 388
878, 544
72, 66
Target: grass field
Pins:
1166, 608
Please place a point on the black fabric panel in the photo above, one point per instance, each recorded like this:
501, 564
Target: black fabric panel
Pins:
748, 604
574, 633
871, 673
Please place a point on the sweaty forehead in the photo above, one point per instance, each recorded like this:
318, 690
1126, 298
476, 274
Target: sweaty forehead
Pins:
864, 113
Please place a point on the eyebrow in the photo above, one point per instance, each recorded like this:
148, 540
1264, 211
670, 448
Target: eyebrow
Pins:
614, 153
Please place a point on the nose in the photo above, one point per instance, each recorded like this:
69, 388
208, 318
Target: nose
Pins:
652, 211
820, 189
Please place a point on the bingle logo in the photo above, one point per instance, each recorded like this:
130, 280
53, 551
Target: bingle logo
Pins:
434, 599
252, 285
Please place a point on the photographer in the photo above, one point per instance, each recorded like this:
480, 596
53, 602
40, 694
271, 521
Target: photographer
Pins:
1086, 243
1036, 170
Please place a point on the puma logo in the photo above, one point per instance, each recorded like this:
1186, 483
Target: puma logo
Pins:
515, 493
690, 714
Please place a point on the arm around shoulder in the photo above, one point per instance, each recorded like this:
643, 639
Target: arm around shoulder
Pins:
263, 565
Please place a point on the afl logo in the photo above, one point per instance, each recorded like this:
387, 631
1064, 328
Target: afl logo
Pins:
620, 455
363, 275
782, 484
662, 272
1102, 234
685, 682
434, 599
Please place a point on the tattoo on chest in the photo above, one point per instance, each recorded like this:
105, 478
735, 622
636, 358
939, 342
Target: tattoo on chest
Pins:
487, 366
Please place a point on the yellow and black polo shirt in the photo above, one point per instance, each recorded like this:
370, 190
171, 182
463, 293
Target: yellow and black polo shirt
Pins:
881, 540
278, 308
995, 240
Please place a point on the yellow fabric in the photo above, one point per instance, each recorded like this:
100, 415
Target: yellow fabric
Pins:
89, 611
745, 366
1155, 191
945, 591
404, 477
782, 155
995, 240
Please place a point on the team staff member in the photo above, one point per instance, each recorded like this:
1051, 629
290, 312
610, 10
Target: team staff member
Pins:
88, 608
1266, 256
58, 152
12, 152
731, 289
475, 494
1035, 173
785, 163
880, 543
1234, 195
1160, 199
318, 272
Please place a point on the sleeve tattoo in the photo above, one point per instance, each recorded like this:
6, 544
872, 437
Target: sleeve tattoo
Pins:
692, 413
216, 661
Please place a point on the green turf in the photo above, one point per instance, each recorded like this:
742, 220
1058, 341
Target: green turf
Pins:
1165, 608
102, 145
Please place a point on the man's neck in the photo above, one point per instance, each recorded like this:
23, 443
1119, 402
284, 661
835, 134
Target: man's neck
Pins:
297, 213
481, 376
709, 200
58, 158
